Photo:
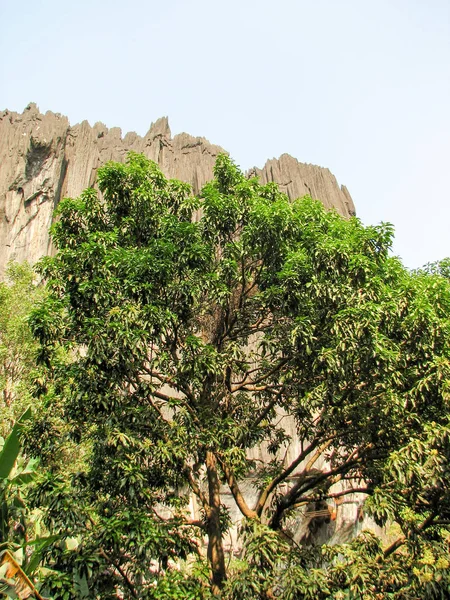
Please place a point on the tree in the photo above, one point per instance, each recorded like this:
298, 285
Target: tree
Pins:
18, 293
193, 325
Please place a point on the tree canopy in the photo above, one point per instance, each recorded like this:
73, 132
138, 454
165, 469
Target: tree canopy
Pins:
192, 328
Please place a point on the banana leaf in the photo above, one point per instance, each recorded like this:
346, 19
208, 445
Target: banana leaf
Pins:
11, 447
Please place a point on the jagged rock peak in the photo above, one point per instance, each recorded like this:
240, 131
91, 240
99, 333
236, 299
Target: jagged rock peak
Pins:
298, 179
160, 127
43, 159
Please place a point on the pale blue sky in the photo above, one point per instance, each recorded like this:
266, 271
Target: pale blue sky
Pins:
358, 86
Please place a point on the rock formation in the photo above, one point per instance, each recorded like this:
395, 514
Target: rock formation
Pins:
297, 179
44, 159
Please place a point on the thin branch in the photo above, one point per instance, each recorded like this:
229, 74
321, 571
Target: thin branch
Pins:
307, 499
262, 377
317, 455
235, 490
313, 481
188, 522
393, 547
304, 484
247, 373
252, 388
135, 385
260, 418
167, 398
282, 476
180, 387
401, 540
118, 568
122, 573
197, 491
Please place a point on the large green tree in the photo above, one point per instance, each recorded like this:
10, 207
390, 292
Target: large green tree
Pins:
193, 324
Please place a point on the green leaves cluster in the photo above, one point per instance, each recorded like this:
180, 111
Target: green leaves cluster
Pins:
18, 294
180, 333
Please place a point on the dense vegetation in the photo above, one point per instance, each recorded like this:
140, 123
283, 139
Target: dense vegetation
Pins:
18, 294
179, 334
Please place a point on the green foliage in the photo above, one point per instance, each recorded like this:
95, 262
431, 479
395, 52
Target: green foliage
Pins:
20, 527
344, 572
15, 472
178, 333
18, 294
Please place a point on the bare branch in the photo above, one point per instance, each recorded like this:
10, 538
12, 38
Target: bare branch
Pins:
121, 572
428, 522
262, 377
235, 490
197, 491
305, 483
307, 499
282, 476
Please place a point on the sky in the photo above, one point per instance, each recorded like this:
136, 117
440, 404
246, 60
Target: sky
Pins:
359, 86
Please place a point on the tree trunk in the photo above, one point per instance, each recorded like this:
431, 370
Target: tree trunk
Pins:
216, 555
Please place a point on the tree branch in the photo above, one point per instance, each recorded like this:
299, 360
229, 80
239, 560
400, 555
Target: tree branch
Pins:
118, 568
197, 491
308, 499
235, 490
262, 377
121, 572
401, 540
304, 484
259, 507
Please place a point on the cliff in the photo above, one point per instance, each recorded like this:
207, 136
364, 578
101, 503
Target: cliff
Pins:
44, 159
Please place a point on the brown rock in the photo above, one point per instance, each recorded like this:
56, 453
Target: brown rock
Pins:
44, 159
33, 165
297, 179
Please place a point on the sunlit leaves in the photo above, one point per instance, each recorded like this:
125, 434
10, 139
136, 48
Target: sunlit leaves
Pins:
196, 327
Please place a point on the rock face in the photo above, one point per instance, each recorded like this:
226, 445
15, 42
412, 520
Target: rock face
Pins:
297, 179
44, 159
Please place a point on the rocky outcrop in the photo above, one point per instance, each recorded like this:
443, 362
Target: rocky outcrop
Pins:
297, 179
44, 159
32, 171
